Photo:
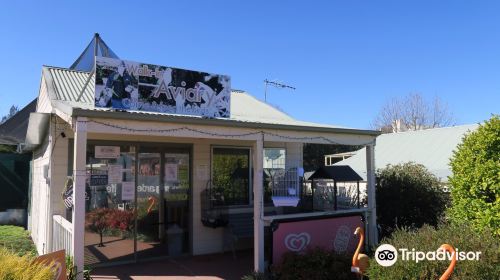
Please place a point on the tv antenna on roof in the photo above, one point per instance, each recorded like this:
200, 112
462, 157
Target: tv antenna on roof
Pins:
274, 84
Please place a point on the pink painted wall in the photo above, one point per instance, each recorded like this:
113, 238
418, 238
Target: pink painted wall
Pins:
336, 233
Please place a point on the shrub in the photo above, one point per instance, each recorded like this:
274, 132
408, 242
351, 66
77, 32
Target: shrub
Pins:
71, 270
408, 195
427, 238
315, 264
14, 267
475, 183
18, 240
255, 276
121, 219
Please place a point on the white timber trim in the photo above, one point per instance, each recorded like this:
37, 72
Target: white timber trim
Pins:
372, 202
79, 162
258, 204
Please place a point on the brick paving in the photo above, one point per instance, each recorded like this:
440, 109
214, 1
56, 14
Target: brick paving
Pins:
206, 267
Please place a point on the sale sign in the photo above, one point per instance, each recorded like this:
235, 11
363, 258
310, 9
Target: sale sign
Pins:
57, 261
331, 233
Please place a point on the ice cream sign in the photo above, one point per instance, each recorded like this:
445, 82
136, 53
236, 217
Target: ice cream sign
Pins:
331, 233
127, 85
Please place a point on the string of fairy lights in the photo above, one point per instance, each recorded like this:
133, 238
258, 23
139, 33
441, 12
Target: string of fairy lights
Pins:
171, 131
263, 133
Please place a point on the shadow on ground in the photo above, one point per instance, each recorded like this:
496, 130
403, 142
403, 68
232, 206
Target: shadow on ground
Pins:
215, 266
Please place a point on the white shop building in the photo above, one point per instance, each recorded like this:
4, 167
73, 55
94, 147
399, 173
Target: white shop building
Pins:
164, 177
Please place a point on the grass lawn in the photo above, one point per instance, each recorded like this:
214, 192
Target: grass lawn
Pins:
17, 239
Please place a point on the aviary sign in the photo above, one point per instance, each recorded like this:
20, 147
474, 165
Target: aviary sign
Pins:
135, 86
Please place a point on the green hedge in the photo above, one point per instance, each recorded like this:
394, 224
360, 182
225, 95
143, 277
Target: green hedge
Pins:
408, 196
315, 264
463, 237
475, 183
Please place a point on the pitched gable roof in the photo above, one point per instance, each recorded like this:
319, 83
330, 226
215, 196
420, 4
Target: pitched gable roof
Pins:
431, 147
13, 131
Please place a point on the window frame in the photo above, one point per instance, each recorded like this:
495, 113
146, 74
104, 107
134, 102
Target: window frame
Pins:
250, 170
276, 148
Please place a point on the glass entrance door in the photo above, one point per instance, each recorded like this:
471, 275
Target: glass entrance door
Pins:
149, 240
176, 197
110, 205
163, 190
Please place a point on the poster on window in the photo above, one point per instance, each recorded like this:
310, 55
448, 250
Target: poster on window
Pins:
128, 85
330, 233
128, 191
115, 174
107, 151
98, 180
171, 171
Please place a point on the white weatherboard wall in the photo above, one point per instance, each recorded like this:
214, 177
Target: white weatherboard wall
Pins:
46, 198
43, 103
39, 205
46, 194
58, 172
205, 240
59, 167
39, 211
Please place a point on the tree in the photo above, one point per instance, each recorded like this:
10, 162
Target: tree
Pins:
13, 110
412, 112
475, 180
98, 221
408, 195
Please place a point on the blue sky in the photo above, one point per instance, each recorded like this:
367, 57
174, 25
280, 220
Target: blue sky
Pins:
346, 58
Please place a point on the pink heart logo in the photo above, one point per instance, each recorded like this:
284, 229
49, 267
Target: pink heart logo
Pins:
297, 242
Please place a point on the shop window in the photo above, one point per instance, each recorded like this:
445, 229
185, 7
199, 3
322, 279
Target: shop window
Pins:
109, 203
231, 175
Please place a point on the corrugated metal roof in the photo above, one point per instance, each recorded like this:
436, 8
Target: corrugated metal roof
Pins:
431, 147
67, 85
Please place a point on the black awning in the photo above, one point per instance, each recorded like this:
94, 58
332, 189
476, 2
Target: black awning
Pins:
339, 173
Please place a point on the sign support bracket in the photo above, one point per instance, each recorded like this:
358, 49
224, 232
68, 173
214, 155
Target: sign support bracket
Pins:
92, 73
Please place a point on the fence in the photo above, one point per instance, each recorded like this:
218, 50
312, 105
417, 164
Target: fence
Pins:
62, 233
14, 181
